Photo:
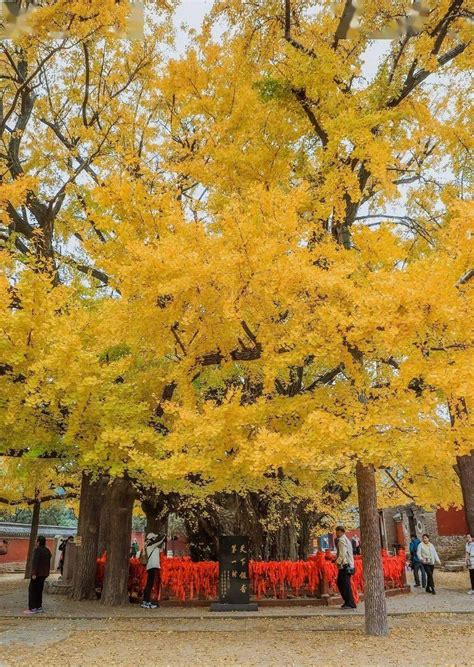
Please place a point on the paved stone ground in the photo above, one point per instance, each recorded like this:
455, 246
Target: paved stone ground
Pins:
451, 597
425, 630
282, 642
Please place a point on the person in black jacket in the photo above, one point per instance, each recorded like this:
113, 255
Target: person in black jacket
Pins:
39, 572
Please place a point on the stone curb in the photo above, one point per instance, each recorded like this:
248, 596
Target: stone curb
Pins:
235, 616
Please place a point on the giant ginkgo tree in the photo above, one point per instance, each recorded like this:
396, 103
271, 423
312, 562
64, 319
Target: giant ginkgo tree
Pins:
242, 242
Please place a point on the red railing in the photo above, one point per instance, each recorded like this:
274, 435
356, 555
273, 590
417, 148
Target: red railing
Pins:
181, 579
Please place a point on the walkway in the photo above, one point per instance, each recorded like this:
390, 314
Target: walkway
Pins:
451, 597
438, 628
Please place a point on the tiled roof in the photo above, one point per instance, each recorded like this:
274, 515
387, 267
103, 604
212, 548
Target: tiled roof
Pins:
9, 530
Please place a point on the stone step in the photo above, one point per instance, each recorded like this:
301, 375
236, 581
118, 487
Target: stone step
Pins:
454, 566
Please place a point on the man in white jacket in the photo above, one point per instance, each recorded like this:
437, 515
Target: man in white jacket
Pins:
345, 564
427, 555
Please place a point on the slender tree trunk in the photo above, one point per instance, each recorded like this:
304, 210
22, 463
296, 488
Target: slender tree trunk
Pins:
465, 471
376, 621
115, 591
33, 536
92, 493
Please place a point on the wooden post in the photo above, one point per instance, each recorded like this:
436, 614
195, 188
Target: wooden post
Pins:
376, 620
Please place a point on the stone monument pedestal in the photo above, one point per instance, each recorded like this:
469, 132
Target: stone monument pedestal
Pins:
234, 581
228, 606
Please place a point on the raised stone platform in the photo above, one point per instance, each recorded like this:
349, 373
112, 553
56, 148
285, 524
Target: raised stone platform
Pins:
454, 566
8, 568
57, 587
226, 606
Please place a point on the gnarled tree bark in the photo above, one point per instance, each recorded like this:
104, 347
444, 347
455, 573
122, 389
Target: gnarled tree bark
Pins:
376, 621
92, 494
105, 524
122, 496
465, 469
157, 514
33, 536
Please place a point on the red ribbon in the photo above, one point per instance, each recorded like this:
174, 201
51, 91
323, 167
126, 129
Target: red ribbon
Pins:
181, 579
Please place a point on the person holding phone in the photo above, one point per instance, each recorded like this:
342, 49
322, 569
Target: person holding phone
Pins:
427, 555
150, 557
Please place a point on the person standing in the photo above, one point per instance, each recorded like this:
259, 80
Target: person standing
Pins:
416, 565
470, 560
355, 545
62, 549
345, 564
40, 569
134, 549
151, 556
427, 555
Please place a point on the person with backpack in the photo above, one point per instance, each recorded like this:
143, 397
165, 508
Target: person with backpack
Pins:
150, 557
416, 564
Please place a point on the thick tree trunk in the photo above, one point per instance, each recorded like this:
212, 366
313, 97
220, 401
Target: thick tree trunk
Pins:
115, 590
304, 541
376, 622
292, 538
92, 493
156, 520
285, 542
103, 543
465, 471
33, 536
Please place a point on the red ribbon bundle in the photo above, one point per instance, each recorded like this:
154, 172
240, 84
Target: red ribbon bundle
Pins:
181, 579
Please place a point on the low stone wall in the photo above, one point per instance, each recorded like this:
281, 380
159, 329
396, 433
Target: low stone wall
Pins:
12, 567
450, 547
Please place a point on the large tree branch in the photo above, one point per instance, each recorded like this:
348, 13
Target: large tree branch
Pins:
23, 79
43, 499
288, 37
399, 487
466, 277
86, 269
344, 23
413, 80
306, 104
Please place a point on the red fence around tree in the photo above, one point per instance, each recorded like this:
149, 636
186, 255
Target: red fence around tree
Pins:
181, 579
